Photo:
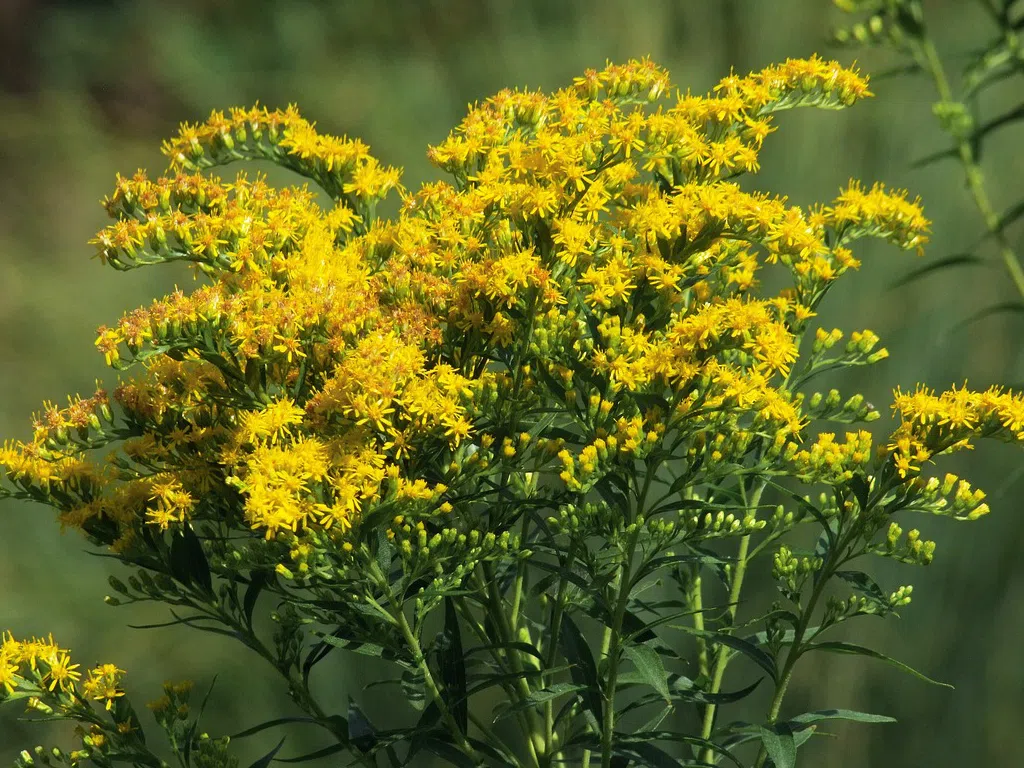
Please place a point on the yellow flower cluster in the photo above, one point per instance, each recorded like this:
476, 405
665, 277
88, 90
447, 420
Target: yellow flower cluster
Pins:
39, 665
591, 255
337, 163
932, 424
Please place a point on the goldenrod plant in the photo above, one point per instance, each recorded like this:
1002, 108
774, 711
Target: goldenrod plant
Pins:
525, 439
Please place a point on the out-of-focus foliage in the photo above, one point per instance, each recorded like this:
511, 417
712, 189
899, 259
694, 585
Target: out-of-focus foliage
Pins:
88, 87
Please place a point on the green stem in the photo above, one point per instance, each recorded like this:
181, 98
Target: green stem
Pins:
612, 651
557, 611
299, 692
432, 687
696, 600
510, 691
489, 587
517, 587
722, 654
975, 179
795, 651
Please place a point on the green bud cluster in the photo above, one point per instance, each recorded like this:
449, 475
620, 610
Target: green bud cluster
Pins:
792, 572
54, 756
911, 549
966, 504
554, 337
710, 525
830, 406
781, 519
722, 449
208, 752
172, 709
288, 635
449, 552
587, 519
838, 610
876, 30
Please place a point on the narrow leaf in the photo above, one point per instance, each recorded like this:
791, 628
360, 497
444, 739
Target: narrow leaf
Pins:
453, 667
860, 650
584, 670
946, 262
746, 647
188, 561
535, 699
934, 157
780, 745
258, 579
864, 584
361, 732
264, 761
1007, 307
838, 714
272, 723
650, 666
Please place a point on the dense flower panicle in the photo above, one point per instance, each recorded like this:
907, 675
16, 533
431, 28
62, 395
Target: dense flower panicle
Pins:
588, 277
569, 338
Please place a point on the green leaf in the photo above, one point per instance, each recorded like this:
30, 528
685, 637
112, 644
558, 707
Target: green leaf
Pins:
860, 650
385, 551
414, 687
1014, 307
804, 720
536, 698
703, 697
361, 732
863, 584
935, 157
446, 751
453, 667
333, 749
747, 648
272, 723
584, 670
1014, 213
511, 646
780, 745
188, 561
258, 580
646, 754
264, 761
651, 668
632, 745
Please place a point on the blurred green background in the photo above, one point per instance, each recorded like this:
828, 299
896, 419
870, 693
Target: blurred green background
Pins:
88, 89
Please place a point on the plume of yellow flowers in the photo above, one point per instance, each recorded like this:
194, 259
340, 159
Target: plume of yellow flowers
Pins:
581, 297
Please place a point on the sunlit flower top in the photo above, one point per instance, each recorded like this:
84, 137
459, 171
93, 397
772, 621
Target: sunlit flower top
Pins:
582, 290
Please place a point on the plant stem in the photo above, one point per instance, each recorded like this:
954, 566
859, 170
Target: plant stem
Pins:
432, 688
614, 644
975, 179
517, 588
510, 691
535, 736
833, 561
557, 611
735, 588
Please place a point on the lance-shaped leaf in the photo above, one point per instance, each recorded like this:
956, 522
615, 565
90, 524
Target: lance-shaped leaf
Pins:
453, 667
584, 671
651, 668
860, 650
188, 561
